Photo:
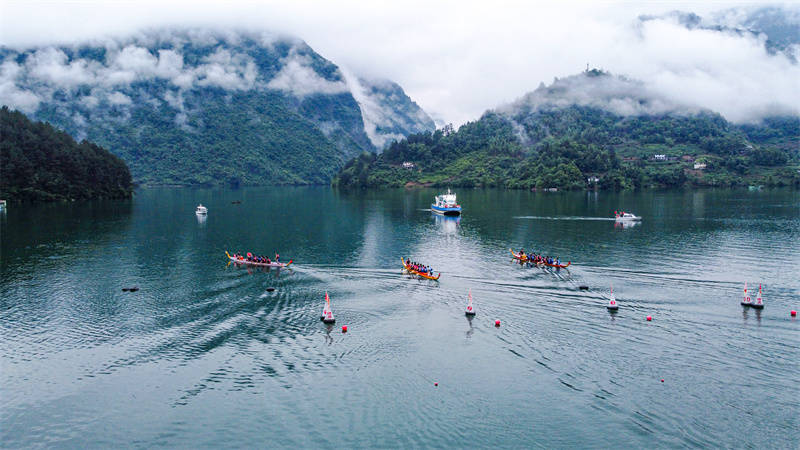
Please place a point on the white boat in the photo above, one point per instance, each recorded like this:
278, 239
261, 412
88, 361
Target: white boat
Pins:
446, 204
625, 217
201, 210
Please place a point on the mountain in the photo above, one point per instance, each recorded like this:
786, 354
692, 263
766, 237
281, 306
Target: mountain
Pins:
41, 163
587, 130
780, 25
210, 107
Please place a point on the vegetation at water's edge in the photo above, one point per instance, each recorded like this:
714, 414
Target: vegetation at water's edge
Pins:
40, 163
581, 147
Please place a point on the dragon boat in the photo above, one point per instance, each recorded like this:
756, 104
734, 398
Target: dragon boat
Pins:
418, 273
242, 260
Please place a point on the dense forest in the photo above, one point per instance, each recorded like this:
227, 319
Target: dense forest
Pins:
201, 107
40, 163
578, 147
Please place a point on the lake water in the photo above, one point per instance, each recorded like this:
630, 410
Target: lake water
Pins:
203, 355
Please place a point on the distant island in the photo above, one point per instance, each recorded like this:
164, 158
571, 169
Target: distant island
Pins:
41, 163
589, 131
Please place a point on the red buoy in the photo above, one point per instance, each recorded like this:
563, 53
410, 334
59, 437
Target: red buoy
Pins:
497, 323
344, 329
662, 380
649, 318
794, 313
435, 384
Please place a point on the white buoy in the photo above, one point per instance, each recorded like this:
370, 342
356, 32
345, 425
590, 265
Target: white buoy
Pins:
612, 302
746, 300
470, 311
327, 314
759, 304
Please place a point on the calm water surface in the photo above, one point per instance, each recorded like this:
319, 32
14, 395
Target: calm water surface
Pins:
203, 355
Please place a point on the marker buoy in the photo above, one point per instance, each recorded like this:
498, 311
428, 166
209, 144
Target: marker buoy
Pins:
759, 304
125, 289
133, 289
344, 329
662, 380
746, 300
327, 314
270, 289
793, 313
612, 302
470, 311
583, 287
497, 323
649, 318
435, 384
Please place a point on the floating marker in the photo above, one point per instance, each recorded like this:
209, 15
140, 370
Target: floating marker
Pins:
344, 329
435, 384
270, 289
133, 289
470, 310
612, 302
497, 323
662, 380
746, 300
759, 304
583, 287
327, 314
125, 289
793, 313
649, 318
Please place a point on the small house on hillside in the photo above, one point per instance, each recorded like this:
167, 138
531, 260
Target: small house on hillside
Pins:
699, 166
408, 165
659, 157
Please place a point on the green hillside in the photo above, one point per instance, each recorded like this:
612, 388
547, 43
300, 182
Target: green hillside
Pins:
189, 107
41, 163
538, 143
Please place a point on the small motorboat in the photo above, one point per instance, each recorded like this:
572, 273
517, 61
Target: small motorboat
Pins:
625, 217
446, 204
201, 210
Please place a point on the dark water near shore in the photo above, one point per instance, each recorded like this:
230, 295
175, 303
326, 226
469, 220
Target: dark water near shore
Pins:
202, 355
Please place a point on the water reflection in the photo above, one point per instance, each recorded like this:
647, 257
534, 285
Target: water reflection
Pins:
448, 224
626, 225
201, 218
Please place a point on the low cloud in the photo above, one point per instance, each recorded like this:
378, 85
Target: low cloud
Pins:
297, 76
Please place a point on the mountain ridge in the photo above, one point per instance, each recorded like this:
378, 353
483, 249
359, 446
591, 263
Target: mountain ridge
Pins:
589, 130
156, 99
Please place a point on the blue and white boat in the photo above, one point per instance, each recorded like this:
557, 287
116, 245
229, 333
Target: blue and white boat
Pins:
446, 204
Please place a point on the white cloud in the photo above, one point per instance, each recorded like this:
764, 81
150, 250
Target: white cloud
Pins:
50, 66
13, 96
455, 59
298, 78
119, 99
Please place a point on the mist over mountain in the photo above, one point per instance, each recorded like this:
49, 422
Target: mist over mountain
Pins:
778, 26
204, 106
590, 130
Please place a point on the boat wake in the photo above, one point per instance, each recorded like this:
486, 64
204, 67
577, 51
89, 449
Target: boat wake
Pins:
563, 218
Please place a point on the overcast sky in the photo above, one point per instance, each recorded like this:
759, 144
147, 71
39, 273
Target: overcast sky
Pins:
459, 58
